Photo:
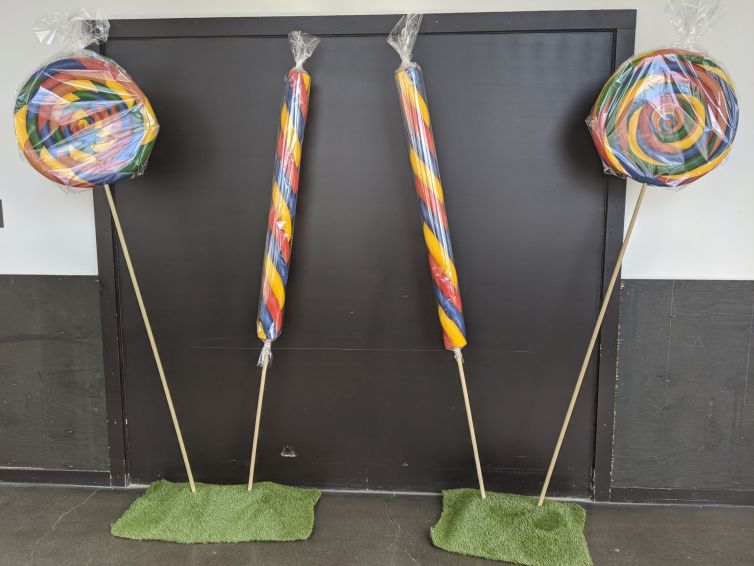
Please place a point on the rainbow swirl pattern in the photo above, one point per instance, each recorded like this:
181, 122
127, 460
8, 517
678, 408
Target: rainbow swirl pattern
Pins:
665, 118
277, 253
83, 122
423, 157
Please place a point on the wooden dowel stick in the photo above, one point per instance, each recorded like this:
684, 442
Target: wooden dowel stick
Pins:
145, 318
592, 342
462, 375
265, 363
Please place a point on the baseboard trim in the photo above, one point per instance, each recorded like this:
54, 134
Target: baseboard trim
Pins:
682, 496
68, 477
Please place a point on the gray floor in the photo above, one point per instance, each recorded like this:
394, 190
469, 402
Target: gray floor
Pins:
70, 526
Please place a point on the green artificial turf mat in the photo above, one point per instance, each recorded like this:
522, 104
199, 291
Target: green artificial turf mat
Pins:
219, 513
511, 528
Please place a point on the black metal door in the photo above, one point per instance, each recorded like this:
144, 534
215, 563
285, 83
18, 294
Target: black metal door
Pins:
360, 389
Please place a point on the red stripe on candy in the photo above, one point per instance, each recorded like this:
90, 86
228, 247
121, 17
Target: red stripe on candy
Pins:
445, 284
273, 306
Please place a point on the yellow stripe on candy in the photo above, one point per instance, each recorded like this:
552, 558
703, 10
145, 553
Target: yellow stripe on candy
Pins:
307, 80
453, 332
80, 156
19, 124
633, 133
103, 146
615, 165
440, 256
702, 169
414, 96
275, 282
59, 169
284, 221
126, 96
425, 174
260, 330
150, 123
288, 128
82, 84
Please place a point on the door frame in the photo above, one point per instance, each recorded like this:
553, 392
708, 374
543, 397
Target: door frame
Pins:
621, 23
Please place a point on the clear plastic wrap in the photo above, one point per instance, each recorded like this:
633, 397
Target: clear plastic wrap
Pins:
423, 159
277, 251
668, 117
80, 119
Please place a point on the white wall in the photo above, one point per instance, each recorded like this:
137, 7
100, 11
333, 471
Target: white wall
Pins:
704, 232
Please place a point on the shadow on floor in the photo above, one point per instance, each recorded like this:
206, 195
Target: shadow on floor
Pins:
68, 526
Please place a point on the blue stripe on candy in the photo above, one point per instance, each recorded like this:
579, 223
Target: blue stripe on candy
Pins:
276, 256
449, 309
293, 103
285, 188
414, 73
437, 228
267, 323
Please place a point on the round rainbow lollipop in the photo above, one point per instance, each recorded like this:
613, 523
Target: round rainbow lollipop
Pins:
83, 122
665, 118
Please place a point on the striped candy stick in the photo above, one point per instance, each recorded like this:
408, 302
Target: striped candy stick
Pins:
285, 179
423, 157
424, 164
277, 253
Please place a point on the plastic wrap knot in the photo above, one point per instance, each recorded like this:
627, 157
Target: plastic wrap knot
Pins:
72, 30
692, 18
403, 36
265, 356
302, 46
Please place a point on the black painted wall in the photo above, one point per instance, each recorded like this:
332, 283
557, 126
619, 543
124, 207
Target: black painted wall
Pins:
684, 416
52, 390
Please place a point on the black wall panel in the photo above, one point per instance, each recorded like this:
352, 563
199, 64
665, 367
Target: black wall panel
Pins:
684, 413
52, 400
360, 387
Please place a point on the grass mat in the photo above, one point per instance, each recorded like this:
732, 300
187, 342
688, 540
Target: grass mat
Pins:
511, 528
219, 513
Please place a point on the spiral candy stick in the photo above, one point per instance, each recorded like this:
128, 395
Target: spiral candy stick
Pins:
431, 205
82, 122
423, 158
665, 118
277, 250
277, 255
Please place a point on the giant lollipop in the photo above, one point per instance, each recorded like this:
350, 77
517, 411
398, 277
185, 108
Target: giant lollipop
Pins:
82, 122
426, 173
277, 249
665, 118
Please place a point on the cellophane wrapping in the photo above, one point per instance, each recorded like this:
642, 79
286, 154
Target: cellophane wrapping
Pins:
667, 117
80, 120
285, 185
424, 165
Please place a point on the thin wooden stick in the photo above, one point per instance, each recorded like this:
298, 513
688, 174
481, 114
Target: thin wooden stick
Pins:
150, 334
265, 363
592, 342
462, 375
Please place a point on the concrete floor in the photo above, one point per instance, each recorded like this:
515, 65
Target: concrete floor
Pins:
64, 526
